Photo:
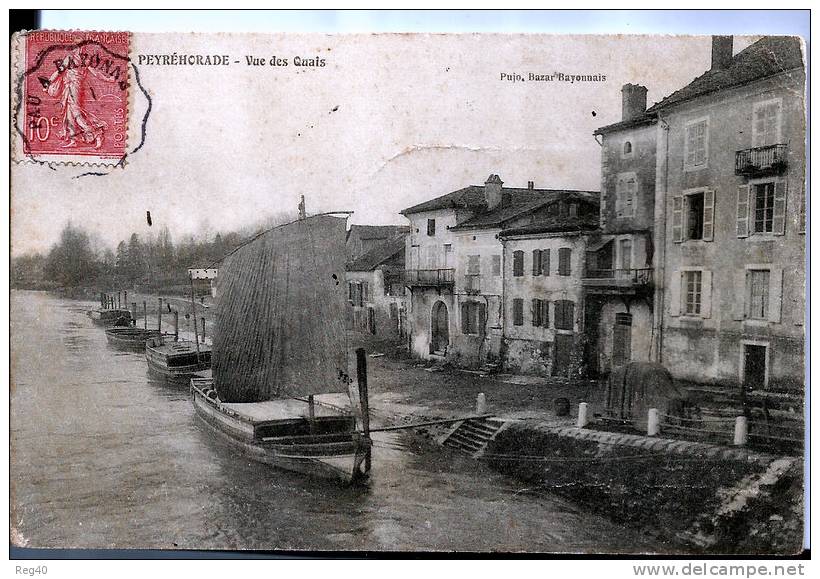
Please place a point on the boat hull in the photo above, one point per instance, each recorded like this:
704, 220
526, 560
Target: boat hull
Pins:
346, 461
161, 364
131, 339
108, 318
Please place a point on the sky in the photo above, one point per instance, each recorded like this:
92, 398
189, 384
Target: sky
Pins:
388, 122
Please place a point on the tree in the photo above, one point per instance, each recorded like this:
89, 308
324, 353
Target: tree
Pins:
71, 262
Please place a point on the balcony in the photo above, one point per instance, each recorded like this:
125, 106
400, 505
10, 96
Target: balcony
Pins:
472, 283
761, 161
438, 278
618, 280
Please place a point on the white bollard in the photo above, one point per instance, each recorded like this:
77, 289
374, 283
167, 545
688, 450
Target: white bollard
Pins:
741, 431
582, 415
653, 423
480, 404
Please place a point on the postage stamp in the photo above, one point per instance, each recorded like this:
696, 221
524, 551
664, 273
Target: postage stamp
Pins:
73, 96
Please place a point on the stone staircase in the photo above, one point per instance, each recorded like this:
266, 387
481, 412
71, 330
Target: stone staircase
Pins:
472, 436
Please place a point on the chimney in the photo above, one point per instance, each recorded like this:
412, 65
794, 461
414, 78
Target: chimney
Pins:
634, 101
721, 52
492, 191
530, 185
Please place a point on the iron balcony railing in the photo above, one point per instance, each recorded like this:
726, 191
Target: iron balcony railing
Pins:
761, 160
429, 277
618, 277
472, 283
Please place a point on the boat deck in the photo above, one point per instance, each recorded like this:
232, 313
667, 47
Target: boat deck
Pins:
283, 409
170, 348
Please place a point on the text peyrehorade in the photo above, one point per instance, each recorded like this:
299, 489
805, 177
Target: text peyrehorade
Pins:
176, 59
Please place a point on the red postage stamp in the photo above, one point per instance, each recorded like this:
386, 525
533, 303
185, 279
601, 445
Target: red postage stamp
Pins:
74, 102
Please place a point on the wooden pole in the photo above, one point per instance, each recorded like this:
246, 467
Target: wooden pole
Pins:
144, 314
361, 375
102, 300
193, 318
159, 316
203, 329
119, 298
125, 298
134, 312
176, 326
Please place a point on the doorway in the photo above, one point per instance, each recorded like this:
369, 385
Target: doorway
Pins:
563, 355
622, 340
754, 366
440, 329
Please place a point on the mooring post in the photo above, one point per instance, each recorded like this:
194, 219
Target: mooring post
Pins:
119, 300
125, 298
653, 424
480, 403
741, 431
144, 314
311, 408
134, 313
203, 329
102, 299
176, 326
582, 415
159, 316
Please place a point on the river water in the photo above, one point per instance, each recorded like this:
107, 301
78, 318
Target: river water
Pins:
103, 456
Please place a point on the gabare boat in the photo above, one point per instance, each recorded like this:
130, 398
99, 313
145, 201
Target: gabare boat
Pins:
279, 341
176, 360
130, 338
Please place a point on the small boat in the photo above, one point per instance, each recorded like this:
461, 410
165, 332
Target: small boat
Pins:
280, 341
130, 338
176, 360
110, 317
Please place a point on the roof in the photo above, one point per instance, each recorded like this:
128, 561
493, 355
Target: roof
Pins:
640, 120
378, 255
555, 225
377, 231
768, 56
515, 207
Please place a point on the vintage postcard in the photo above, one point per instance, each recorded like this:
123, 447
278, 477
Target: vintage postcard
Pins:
515, 293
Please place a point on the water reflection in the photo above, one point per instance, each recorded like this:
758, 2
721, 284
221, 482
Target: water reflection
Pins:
104, 454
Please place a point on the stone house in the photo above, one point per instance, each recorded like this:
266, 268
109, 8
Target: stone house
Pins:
455, 270
543, 293
730, 188
363, 238
376, 292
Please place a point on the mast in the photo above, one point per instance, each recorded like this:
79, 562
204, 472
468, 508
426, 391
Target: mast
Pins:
193, 316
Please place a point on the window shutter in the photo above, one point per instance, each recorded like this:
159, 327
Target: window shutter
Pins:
545, 315
747, 293
775, 294
569, 318
534, 312
706, 294
677, 218
482, 318
518, 263
536, 262
464, 318
779, 219
743, 211
545, 261
708, 215
674, 294
740, 297
365, 292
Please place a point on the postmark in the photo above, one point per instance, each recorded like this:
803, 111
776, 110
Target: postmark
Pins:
74, 97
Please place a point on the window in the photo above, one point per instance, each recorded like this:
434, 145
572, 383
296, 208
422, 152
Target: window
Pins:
473, 316
696, 145
573, 210
693, 216
761, 208
357, 292
627, 151
763, 202
448, 251
496, 265
518, 312
564, 315
564, 266
766, 124
626, 190
626, 253
518, 263
536, 262
473, 264
759, 294
431, 227
692, 292
540, 313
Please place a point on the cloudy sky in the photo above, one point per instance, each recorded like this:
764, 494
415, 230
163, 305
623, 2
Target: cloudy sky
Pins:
389, 121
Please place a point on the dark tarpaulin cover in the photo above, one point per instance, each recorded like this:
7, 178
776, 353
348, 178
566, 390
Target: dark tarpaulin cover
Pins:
280, 314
